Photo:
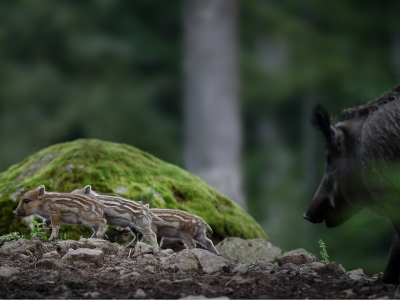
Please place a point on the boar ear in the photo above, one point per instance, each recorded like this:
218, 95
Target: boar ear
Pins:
87, 189
337, 138
321, 121
40, 191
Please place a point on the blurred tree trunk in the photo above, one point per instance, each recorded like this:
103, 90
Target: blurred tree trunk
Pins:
213, 134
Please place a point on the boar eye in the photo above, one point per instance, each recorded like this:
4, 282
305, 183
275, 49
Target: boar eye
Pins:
26, 201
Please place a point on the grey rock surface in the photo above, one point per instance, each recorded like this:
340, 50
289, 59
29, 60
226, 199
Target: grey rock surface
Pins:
295, 251
50, 263
142, 249
356, 274
183, 260
147, 259
106, 246
248, 250
241, 269
20, 246
210, 262
83, 255
7, 272
52, 254
297, 259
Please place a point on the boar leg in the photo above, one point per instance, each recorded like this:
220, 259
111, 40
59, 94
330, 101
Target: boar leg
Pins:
202, 239
392, 271
55, 225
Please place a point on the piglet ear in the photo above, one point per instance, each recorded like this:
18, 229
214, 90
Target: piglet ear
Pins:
87, 189
146, 205
40, 191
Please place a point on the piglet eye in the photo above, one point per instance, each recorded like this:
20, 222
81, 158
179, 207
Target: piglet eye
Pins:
26, 201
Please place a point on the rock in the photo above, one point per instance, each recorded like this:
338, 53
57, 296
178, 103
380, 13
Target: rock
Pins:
241, 268
147, 259
201, 297
106, 246
149, 269
248, 250
356, 274
349, 293
131, 274
210, 262
332, 267
246, 281
7, 272
183, 260
126, 163
166, 252
50, 263
261, 265
139, 294
297, 259
91, 295
52, 254
64, 246
83, 255
142, 249
20, 246
23, 258
290, 266
295, 252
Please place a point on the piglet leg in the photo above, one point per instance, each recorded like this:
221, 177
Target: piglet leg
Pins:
55, 225
202, 239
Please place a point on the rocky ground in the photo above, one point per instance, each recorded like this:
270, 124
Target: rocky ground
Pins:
92, 268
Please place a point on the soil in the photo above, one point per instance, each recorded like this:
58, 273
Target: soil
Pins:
91, 281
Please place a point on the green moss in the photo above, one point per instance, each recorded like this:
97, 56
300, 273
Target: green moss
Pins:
136, 174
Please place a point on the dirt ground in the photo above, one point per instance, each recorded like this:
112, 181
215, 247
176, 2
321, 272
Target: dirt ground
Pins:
105, 281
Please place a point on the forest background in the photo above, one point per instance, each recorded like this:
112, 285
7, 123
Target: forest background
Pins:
114, 70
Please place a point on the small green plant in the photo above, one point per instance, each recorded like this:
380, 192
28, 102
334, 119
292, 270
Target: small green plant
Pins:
39, 230
12, 236
29, 252
324, 253
64, 236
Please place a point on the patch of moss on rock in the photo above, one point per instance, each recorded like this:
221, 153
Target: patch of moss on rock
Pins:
125, 170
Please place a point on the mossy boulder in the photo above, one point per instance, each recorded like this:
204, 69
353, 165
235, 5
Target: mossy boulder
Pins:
124, 170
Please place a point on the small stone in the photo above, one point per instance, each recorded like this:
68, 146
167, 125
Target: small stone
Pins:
50, 263
139, 294
241, 268
149, 269
131, 274
210, 262
297, 259
349, 293
356, 274
20, 246
142, 249
23, 258
91, 295
7, 271
147, 259
83, 255
52, 254
166, 252
248, 250
290, 266
183, 260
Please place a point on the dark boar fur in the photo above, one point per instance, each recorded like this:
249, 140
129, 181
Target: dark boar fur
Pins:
362, 155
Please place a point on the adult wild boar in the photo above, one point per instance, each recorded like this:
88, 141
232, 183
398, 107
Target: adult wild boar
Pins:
362, 155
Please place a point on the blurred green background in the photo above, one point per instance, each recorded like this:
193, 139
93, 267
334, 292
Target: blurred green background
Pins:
113, 70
